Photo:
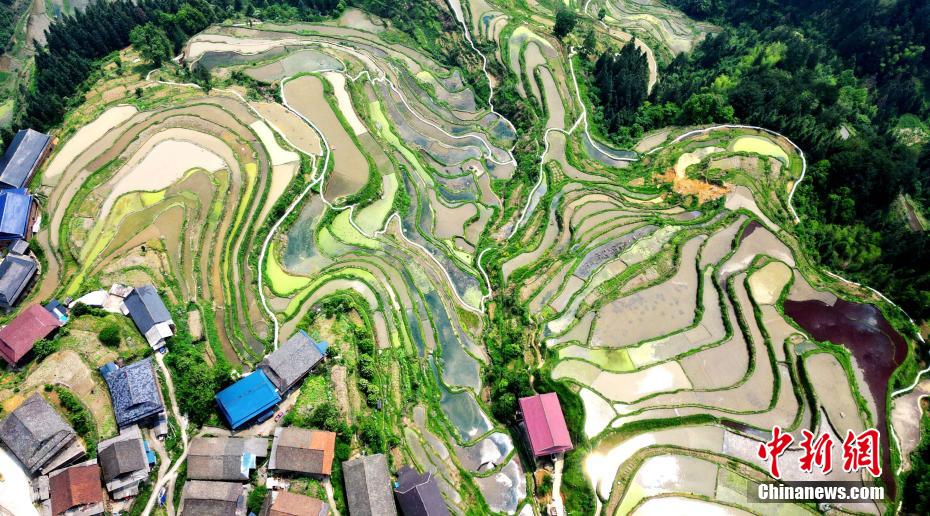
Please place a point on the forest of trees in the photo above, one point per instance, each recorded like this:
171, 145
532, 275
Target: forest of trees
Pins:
837, 78
621, 80
7, 24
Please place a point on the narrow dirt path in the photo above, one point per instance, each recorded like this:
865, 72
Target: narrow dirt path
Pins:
168, 478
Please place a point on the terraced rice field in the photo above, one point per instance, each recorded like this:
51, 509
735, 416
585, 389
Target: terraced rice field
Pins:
666, 307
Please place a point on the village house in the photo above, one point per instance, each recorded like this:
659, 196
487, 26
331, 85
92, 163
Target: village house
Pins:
203, 497
17, 272
39, 437
283, 503
418, 495
224, 458
544, 425
125, 462
368, 486
74, 491
135, 394
23, 157
253, 398
19, 336
150, 315
302, 451
292, 361
18, 214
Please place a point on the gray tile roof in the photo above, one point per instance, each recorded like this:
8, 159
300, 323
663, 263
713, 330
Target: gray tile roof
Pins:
35, 433
123, 454
418, 495
203, 498
223, 458
134, 392
292, 361
146, 308
368, 486
15, 273
21, 157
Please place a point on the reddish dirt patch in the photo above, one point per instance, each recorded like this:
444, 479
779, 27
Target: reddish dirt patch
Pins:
702, 190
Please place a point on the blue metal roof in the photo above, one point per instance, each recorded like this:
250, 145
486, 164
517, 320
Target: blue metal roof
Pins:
22, 157
15, 204
247, 399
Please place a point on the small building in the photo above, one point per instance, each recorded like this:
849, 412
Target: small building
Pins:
17, 273
224, 458
75, 491
25, 154
207, 498
58, 310
250, 399
544, 424
18, 212
290, 363
150, 314
19, 336
135, 394
124, 462
418, 495
368, 486
283, 503
39, 437
299, 450
19, 247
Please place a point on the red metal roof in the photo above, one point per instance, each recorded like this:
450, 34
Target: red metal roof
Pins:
545, 424
18, 337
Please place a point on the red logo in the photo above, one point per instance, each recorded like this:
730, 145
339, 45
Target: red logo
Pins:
817, 453
861, 451
774, 449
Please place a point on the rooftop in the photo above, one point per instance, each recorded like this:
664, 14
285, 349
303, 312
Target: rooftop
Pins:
146, 307
31, 325
368, 486
35, 433
247, 399
300, 450
15, 206
419, 494
22, 157
205, 498
74, 487
283, 503
224, 458
135, 393
15, 272
545, 424
288, 364
123, 454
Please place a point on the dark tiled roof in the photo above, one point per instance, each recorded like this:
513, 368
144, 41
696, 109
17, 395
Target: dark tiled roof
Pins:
15, 205
300, 450
75, 486
15, 273
146, 308
224, 458
18, 337
418, 495
123, 454
203, 498
35, 433
292, 361
134, 392
368, 486
21, 157
292, 504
